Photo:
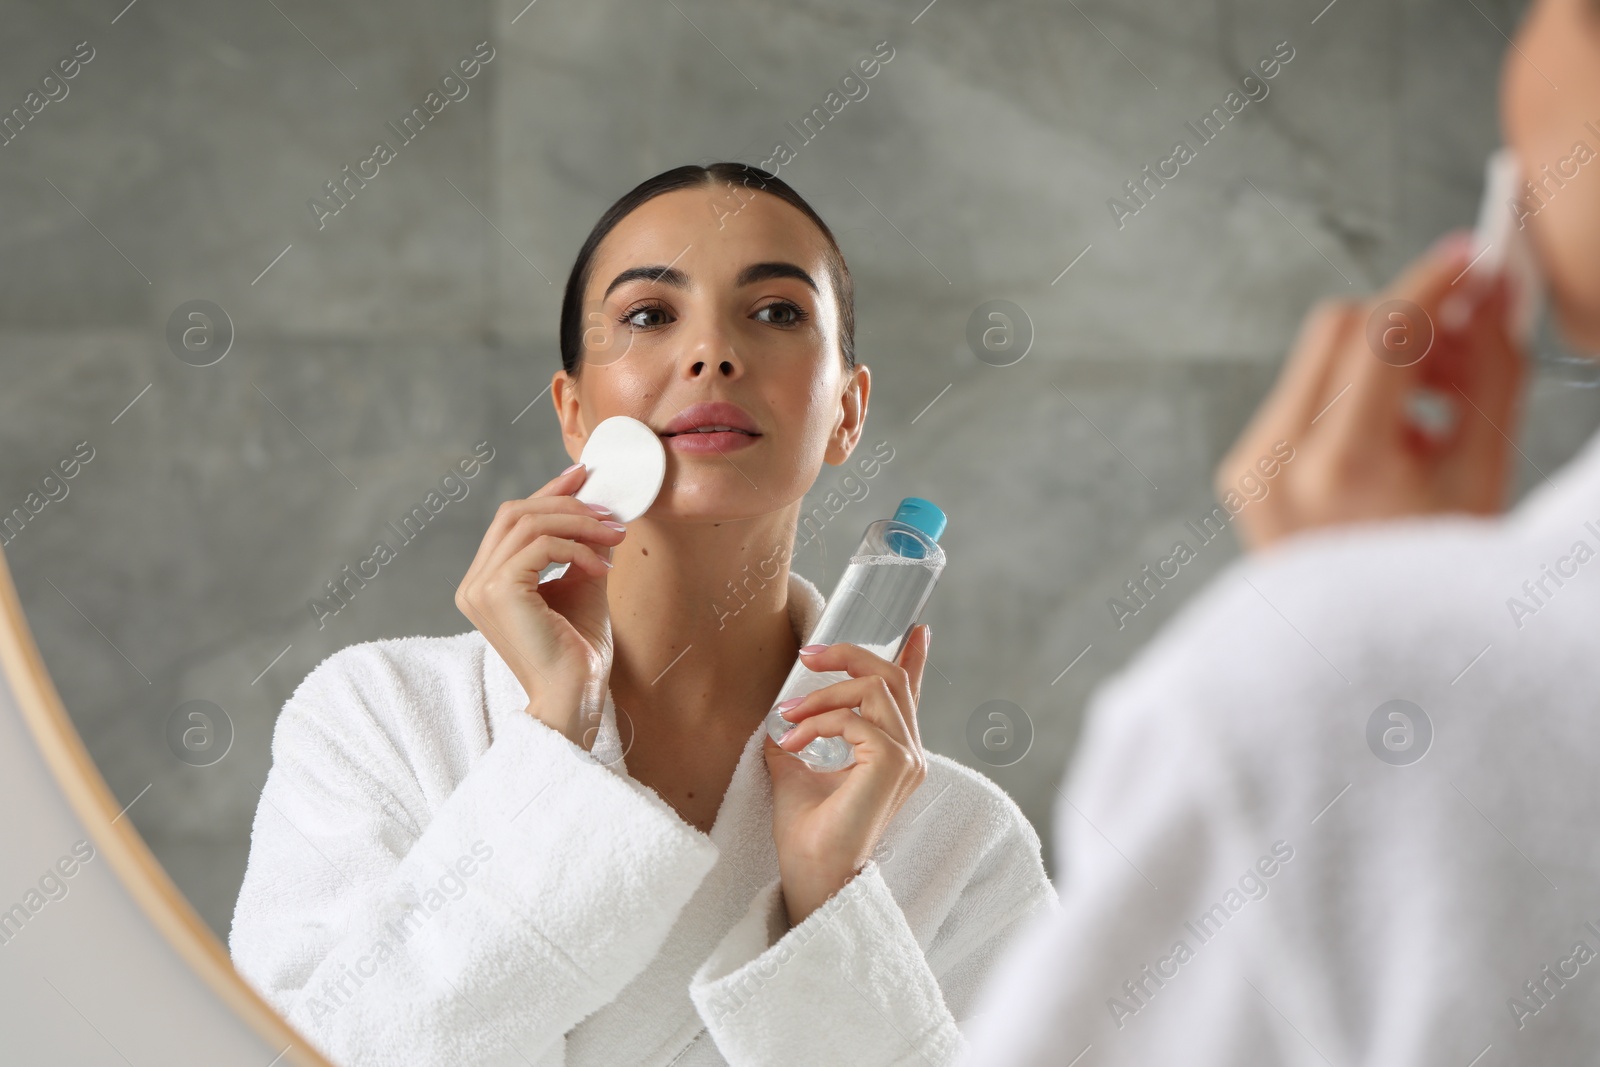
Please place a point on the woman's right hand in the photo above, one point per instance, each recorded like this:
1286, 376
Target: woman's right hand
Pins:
555, 637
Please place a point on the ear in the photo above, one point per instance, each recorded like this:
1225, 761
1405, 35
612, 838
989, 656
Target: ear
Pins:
852, 418
569, 412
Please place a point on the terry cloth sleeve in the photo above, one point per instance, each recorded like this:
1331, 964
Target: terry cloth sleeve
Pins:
529, 898
851, 983
1149, 835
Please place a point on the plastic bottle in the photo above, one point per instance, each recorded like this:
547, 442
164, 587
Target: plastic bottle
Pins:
875, 605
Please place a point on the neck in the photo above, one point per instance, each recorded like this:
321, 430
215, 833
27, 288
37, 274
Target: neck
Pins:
700, 620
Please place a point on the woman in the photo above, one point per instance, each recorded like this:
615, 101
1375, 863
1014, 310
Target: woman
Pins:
1353, 785
564, 837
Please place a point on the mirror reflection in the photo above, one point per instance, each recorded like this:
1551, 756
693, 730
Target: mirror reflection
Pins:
626, 537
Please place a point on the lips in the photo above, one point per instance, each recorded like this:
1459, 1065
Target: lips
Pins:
712, 419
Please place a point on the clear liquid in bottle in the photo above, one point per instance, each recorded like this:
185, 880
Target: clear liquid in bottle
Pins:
876, 603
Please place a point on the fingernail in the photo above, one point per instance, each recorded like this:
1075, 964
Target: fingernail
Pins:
811, 650
607, 562
570, 469
788, 739
1455, 312
792, 702
599, 509
1455, 244
614, 525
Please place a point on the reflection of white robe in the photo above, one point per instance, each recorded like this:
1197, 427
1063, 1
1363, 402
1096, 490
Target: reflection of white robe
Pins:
1420, 897
558, 906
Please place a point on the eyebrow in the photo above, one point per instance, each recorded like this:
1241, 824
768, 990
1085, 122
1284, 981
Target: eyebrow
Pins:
760, 272
670, 275
667, 275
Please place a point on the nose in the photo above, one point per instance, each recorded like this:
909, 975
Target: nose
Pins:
712, 351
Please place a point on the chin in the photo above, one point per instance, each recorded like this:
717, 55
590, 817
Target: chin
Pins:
1585, 340
1570, 265
687, 499
1578, 323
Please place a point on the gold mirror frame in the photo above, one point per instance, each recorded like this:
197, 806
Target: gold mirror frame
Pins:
134, 868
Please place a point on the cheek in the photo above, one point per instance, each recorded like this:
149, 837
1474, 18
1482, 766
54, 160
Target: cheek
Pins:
803, 401
626, 387
1542, 125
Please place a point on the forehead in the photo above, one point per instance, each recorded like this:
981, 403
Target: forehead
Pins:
710, 232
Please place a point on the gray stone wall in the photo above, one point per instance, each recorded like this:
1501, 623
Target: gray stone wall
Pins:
372, 348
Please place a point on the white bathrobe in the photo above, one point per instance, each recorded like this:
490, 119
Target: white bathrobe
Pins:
1427, 913
438, 878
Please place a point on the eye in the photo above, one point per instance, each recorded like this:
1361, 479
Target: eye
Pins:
645, 316
789, 313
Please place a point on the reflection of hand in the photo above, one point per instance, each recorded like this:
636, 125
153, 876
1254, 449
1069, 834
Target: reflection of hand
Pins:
1345, 407
555, 637
826, 824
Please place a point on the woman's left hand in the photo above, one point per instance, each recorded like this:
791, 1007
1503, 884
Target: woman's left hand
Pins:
826, 824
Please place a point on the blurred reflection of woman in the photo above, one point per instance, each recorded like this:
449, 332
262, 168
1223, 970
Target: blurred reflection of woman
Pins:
564, 837
1355, 784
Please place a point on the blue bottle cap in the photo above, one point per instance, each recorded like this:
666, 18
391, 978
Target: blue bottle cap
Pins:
924, 516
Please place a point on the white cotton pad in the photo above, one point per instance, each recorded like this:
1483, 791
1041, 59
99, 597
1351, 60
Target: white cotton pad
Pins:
627, 464
1501, 242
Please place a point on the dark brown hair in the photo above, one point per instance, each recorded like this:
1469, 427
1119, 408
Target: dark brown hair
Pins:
688, 177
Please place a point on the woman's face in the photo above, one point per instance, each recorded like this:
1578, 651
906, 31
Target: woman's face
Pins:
704, 295
1550, 111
